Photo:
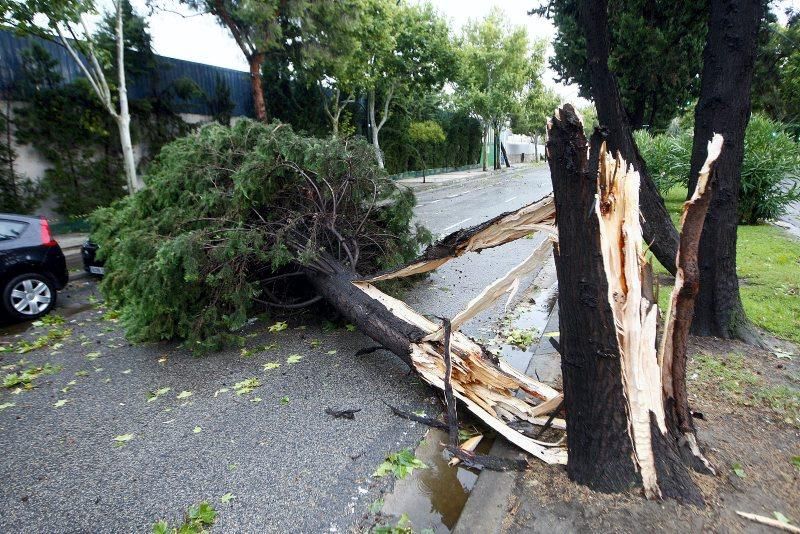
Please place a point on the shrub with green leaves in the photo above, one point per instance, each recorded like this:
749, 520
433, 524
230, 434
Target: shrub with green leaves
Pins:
667, 157
770, 171
226, 209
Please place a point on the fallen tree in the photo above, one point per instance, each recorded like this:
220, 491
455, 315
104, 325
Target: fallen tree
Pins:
233, 219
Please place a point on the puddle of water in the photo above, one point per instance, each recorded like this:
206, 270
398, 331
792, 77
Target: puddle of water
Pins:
433, 498
533, 317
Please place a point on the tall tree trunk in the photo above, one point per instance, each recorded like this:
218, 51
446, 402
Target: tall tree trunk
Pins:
505, 156
123, 119
657, 225
257, 85
724, 107
484, 148
536, 146
616, 427
377, 125
496, 158
129, 163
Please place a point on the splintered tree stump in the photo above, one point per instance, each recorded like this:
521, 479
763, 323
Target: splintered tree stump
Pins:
624, 428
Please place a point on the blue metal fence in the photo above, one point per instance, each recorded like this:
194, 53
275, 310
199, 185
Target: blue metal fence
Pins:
169, 69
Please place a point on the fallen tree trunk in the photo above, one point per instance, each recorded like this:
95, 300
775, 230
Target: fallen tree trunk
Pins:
488, 387
619, 420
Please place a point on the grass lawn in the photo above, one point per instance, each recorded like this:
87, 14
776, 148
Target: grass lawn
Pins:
768, 260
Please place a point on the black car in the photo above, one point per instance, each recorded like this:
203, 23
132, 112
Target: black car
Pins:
32, 267
90, 262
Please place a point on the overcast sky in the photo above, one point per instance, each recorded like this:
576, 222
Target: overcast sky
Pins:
186, 35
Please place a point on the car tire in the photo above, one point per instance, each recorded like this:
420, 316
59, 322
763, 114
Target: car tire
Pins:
29, 296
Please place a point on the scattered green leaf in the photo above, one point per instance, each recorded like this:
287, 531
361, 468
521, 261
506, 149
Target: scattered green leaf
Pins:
122, 439
350, 327
280, 326
400, 464
60, 403
293, 358
284, 401
6, 405
184, 394
154, 395
228, 497
197, 429
738, 470
271, 365
246, 386
780, 517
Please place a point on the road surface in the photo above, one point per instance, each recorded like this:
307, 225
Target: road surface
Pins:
285, 464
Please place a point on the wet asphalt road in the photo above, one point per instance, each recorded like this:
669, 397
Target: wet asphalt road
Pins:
289, 466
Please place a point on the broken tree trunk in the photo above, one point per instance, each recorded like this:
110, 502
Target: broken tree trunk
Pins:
488, 387
617, 417
504, 228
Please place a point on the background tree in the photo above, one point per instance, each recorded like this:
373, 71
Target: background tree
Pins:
495, 64
655, 54
17, 194
69, 127
330, 55
66, 19
426, 136
405, 49
776, 82
258, 28
220, 103
531, 116
724, 108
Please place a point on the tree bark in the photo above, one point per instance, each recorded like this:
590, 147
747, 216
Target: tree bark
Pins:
123, 119
615, 439
505, 156
659, 231
377, 125
484, 150
724, 108
256, 60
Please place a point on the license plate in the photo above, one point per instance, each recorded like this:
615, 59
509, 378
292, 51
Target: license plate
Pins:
97, 270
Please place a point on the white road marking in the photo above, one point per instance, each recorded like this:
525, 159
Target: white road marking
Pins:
456, 224
510, 199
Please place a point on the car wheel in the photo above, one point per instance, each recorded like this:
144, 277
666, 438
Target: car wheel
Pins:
29, 296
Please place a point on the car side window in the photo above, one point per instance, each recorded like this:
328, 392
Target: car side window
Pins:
11, 229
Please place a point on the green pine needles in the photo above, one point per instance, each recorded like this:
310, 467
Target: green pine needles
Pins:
226, 209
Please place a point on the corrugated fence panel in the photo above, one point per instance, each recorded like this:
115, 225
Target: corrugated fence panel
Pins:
169, 70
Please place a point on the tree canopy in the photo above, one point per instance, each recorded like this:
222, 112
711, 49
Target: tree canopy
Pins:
656, 54
227, 209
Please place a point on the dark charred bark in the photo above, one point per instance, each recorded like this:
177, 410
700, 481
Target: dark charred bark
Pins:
659, 232
599, 440
369, 315
256, 86
724, 108
599, 448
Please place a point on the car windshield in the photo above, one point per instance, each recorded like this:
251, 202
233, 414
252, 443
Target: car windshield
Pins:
11, 229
